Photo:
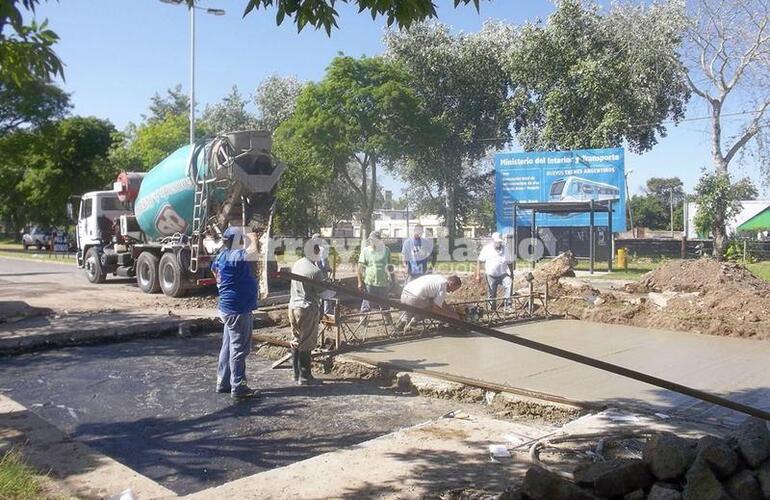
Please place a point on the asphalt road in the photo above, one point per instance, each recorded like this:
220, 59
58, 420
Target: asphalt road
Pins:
150, 404
60, 286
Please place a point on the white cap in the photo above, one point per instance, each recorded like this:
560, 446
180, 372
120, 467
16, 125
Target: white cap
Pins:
496, 237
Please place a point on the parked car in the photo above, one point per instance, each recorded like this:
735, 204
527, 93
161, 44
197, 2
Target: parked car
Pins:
38, 236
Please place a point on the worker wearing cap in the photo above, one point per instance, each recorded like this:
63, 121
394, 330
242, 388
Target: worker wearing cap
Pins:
428, 292
304, 299
321, 259
373, 271
497, 269
234, 271
415, 253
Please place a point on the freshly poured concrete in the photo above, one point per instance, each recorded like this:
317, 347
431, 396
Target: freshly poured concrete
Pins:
738, 369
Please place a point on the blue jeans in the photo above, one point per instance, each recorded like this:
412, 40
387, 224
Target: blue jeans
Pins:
236, 345
493, 282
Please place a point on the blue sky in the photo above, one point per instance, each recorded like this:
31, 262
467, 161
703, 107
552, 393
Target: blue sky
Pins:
118, 53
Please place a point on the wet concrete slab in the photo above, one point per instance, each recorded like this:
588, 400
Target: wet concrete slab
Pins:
734, 368
150, 404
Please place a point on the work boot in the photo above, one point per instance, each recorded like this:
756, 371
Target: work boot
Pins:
242, 392
223, 387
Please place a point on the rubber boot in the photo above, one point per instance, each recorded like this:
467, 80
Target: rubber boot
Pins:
295, 362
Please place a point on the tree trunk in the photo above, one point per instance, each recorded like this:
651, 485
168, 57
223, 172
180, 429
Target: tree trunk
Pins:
451, 215
719, 230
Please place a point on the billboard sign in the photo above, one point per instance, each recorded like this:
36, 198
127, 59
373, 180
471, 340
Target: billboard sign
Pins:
559, 176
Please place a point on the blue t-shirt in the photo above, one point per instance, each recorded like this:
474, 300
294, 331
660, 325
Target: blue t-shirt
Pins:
237, 285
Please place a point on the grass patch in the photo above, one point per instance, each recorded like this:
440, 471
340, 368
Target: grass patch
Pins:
44, 257
18, 481
761, 269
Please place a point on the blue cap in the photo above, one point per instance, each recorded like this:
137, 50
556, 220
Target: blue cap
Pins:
231, 232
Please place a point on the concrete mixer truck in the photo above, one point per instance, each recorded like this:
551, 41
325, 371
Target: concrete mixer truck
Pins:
164, 226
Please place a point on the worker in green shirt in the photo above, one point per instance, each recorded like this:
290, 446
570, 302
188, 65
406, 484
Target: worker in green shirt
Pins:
373, 274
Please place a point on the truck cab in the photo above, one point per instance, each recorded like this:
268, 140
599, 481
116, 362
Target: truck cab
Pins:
97, 215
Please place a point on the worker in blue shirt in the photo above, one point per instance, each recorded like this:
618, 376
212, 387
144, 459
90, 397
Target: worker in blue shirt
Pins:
233, 269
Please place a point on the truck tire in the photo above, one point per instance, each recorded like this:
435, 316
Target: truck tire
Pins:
171, 275
147, 272
93, 266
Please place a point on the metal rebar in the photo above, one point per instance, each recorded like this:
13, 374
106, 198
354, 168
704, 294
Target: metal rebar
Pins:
541, 347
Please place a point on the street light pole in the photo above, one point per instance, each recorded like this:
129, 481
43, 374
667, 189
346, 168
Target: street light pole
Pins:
191, 8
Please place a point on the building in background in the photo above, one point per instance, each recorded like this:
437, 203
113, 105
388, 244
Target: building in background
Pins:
751, 208
392, 223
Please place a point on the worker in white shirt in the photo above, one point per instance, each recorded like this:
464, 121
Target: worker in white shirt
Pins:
428, 292
415, 254
498, 270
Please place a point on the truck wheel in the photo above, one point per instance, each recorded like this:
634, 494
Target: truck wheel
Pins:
93, 266
171, 276
147, 272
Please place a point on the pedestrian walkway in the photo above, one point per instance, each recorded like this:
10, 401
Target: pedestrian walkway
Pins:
733, 368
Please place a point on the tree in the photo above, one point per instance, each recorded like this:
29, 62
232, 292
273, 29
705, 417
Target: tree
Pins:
276, 98
30, 104
229, 115
353, 117
40, 169
174, 103
649, 212
26, 52
662, 188
463, 89
727, 53
580, 80
321, 13
718, 197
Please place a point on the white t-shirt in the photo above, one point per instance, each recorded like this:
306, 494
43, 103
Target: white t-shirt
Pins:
495, 261
431, 288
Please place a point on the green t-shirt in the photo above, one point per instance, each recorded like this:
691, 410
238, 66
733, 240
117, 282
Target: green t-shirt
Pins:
376, 262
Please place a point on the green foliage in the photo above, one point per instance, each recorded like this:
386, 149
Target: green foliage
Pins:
649, 212
229, 115
665, 188
165, 129
347, 125
581, 80
41, 168
26, 50
322, 14
18, 481
734, 251
30, 104
276, 98
174, 103
719, 199
462, 88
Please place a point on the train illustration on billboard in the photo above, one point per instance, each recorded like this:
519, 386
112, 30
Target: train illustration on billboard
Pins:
560, 177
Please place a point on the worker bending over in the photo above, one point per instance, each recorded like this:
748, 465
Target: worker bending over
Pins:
234, 271
304, 314
428, 292
498, 270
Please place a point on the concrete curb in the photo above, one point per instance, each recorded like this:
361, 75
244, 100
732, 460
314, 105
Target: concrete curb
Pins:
180, 326
78, 468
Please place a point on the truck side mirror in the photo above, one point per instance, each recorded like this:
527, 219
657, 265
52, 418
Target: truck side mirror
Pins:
70, 213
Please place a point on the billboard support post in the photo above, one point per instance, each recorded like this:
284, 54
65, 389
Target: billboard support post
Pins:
515, 238
591, 238
612, 237
532, 241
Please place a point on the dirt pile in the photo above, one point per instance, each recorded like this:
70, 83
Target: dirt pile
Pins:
550, 272
696, 296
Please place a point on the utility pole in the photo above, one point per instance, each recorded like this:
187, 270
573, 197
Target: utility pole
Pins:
628, 203
671, 192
